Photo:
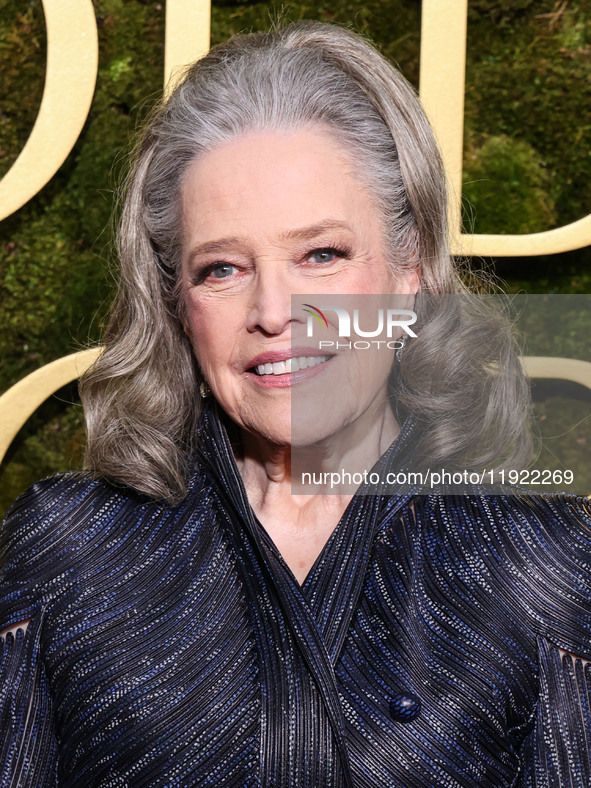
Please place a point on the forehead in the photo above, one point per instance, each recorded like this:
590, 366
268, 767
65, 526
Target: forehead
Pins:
273, 180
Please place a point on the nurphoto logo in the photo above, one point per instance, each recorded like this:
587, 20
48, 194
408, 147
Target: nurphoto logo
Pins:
389, 324
391, 318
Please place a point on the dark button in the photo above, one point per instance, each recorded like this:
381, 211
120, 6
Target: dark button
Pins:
405, 707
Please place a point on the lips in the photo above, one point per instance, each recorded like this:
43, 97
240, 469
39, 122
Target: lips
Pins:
288, 360
292, 364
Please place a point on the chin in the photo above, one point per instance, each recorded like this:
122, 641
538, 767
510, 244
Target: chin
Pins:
274, 425
277, 434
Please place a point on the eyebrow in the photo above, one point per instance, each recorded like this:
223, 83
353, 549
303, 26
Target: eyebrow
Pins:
298, 234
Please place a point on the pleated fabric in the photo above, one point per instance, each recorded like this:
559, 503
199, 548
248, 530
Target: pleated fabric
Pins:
437, 641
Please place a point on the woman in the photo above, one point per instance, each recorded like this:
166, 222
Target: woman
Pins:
179, 617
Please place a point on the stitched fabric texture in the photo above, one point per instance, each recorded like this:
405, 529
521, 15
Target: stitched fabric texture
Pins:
437, 641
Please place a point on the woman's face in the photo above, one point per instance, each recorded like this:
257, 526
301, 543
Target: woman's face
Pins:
265, 217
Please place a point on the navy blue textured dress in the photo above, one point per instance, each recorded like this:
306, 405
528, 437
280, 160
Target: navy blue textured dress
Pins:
173, 646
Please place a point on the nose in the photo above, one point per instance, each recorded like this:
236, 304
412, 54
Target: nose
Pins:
270, 308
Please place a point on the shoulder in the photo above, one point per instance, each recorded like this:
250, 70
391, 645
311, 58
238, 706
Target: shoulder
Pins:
62, 525
552, 522
537, 545
34, 540
557, 524
53, 511
39, 515
72, 508
552, 531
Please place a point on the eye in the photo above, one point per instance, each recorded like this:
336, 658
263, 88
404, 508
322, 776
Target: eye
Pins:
214, 271
222, 270
325, 255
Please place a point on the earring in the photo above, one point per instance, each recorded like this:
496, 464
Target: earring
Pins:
399, 350
204, 389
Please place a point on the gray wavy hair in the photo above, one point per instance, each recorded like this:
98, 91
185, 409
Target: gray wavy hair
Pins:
141, 398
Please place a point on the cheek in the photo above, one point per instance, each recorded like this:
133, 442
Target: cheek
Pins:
201, 328
213, 328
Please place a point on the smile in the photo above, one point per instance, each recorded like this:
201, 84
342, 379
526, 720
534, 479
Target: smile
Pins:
294, 364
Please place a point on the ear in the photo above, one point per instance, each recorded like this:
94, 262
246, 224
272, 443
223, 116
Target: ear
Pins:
182, 316
414, 280
408, 282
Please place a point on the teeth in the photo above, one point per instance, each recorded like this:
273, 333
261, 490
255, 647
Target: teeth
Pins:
290, 365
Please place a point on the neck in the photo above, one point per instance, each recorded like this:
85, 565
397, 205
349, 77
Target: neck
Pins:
301, 524
266, 466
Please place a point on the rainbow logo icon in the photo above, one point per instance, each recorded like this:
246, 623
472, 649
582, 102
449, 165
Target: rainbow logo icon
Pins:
316, 313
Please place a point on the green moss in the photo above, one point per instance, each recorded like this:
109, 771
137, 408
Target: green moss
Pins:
564, 428
508, 187
527, 78
22, 59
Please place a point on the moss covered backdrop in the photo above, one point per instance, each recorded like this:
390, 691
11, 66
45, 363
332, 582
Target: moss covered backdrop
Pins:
527, 168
